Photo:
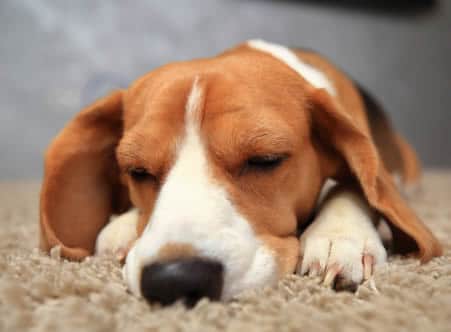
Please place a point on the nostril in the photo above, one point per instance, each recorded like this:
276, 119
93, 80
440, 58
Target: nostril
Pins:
189, 279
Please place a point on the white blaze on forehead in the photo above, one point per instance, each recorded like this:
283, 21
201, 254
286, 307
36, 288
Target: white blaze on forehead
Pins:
193, 104
285, 55
192, 208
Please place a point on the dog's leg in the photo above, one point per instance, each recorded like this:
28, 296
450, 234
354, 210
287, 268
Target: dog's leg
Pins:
118, 235
342, 244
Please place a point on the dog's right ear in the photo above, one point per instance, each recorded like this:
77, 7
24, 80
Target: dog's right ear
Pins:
81, 187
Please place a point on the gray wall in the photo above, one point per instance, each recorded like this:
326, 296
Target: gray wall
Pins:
56, 56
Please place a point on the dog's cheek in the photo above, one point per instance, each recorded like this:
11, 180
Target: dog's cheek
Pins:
286, 251
143, 197
142, 222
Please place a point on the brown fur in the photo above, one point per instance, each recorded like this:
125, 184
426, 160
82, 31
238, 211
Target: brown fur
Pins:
254, 104
172, 251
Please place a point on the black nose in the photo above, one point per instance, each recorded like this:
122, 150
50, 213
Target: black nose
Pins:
189, 279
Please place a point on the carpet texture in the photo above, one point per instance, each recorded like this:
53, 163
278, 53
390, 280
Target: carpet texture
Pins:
46, 293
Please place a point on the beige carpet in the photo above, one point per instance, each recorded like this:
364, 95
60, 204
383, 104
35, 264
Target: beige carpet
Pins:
41, 293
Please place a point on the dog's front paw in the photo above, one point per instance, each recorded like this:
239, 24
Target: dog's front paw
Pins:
342, 245
342, 262
117, 237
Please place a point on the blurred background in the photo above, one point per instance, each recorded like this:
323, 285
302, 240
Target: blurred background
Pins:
58, 56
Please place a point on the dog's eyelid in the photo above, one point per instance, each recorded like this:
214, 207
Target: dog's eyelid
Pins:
140, 174
269, 156
263, 162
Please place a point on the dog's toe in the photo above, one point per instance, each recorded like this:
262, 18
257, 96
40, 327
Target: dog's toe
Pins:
345, 260
314, 256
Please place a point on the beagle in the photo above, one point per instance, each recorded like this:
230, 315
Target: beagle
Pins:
209, 170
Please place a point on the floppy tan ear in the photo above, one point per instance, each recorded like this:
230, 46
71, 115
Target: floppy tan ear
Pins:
81, 187
351, 139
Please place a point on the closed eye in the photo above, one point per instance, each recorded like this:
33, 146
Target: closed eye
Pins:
140, 174
264, 163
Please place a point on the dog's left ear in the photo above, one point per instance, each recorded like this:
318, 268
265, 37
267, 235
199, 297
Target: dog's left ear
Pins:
81, 187
351, 139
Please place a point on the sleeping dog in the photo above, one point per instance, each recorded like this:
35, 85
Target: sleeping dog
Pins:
208, 177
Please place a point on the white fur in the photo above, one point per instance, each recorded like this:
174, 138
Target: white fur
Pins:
284, 54
328, 185
341, 234
118, 233
194, 209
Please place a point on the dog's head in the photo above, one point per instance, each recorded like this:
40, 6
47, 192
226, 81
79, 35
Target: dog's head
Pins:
222, 157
